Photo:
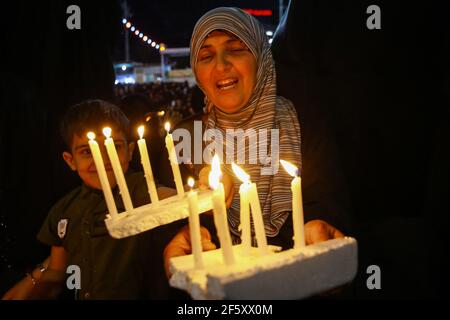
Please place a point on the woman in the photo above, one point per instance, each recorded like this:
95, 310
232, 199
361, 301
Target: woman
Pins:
233, 65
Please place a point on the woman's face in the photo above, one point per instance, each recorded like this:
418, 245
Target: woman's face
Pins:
226, 70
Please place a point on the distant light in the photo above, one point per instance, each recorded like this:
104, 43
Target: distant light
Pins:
124, 21
141, 35
162, 48
136, 32
128, 25
157, 46
269, 33
270, 40
133, 28
153, 43
124, 68
129, 80
116, 82
145, 38
259, 12
149, 41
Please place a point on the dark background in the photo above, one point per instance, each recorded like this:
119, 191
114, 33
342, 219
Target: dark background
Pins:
385, 93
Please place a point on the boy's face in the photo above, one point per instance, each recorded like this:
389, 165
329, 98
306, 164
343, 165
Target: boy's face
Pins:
81, 160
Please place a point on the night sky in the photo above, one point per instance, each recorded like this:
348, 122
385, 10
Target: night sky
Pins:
171, 22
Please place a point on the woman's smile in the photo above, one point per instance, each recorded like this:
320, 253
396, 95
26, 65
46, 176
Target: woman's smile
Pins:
227, 84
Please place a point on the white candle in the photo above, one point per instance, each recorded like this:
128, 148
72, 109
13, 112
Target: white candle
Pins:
173, 161
145, 160
220, 212
252, 194
246, 236
117, 169
194, 226
258, 219
103, 177
297, 205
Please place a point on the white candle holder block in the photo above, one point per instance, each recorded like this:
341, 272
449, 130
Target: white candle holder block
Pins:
290, 274
153, 215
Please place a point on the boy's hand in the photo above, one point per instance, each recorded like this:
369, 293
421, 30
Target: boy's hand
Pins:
180, 245
227, 181
20, 291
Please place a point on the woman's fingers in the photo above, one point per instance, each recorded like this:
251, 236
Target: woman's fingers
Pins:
180, 245
317, 231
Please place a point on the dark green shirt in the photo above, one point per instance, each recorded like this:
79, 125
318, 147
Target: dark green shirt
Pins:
128, 268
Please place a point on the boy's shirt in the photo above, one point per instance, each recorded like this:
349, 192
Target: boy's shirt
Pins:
128, 268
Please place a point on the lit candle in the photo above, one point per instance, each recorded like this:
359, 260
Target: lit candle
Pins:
103, 177
246, 236
220, 212
145, 160
297, 204
173, 161
117, 169
248, 190
194, 226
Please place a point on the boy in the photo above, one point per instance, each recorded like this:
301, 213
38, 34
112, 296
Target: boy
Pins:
75, 229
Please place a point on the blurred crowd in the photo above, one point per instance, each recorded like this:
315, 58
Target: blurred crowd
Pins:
170, 100
152, 105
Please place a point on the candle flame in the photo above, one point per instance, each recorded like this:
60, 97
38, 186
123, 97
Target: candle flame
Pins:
290, 168
141, 131
107, 132
148, 118
240, 173
167, 126
214, 175
190, 182
91, 135
161, 113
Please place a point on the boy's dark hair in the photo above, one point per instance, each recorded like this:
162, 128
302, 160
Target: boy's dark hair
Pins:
92, 115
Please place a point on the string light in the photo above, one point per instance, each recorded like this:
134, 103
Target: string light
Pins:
141, 35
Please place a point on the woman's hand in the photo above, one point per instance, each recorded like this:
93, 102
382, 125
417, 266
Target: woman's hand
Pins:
319, 230
227, 181
180, 245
